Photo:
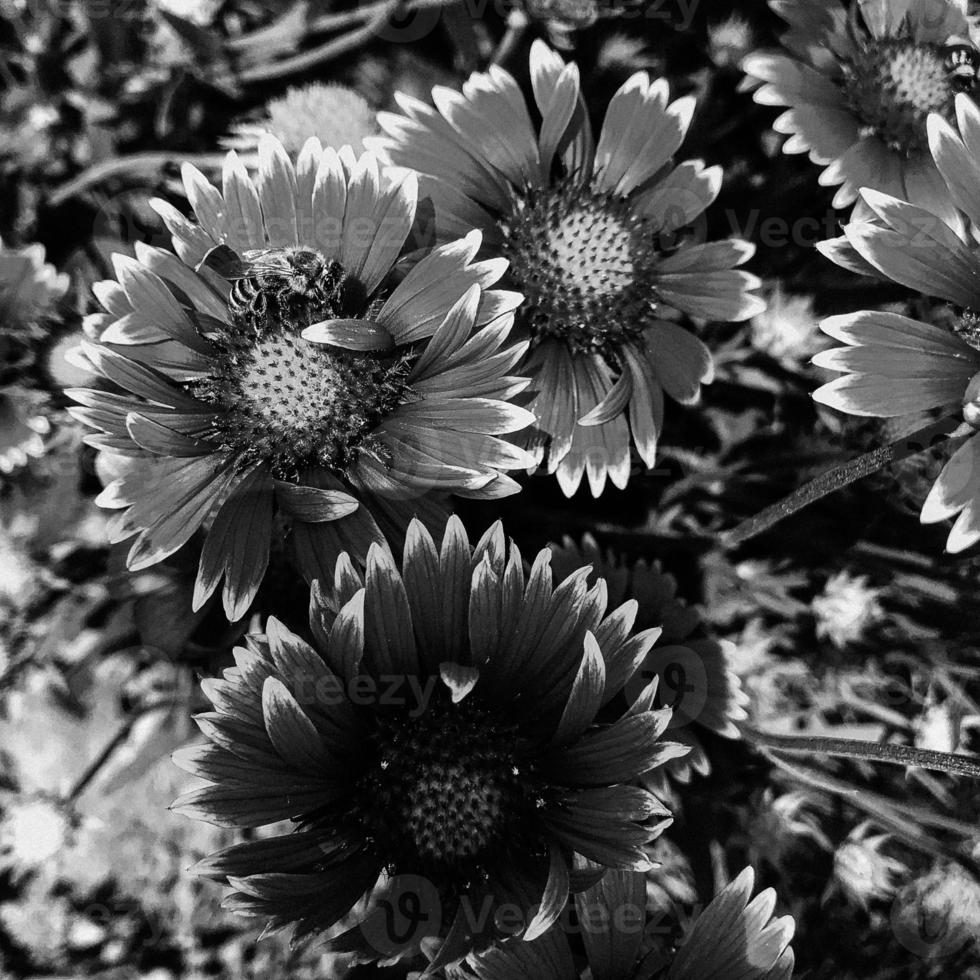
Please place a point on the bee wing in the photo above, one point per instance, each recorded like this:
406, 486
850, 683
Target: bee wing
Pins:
227, 263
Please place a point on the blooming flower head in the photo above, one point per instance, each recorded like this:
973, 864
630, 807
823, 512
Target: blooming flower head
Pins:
846, 609
29, 290
275, 366
859, 85
732, 937
894, 366
338, 116
594, 236
787, 328
938, 914
693, 672
443, 735
863, 872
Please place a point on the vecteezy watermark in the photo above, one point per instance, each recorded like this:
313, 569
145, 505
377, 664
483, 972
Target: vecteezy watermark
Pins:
409, 910
385, 690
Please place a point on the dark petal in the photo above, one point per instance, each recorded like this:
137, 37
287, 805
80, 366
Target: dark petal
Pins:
546, 958
345, 647
312, 504
458, 942
303, 850
554, 897
389, 647
140, 379
586, 694
314, 901
318, 546
484, 613
613, 847
292, 733
364, 336
623, 662
233, 804
420, 572
616, 754
162, 440
613, 944
237, 546
315, 686
175, 501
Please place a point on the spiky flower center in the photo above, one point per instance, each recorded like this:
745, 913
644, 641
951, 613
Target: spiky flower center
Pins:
446, 788
288, 402
584, 260
894, 84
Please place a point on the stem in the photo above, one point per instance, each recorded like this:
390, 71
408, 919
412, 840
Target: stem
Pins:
96, 765
889, 813
851, 748
517, 24
926, 438
331, 49
136, 163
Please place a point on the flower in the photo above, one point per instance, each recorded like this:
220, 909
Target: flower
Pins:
862, 871
443, 735
594, 234
30, 288
338, 116
859, 87
694, 673
846, 609
297, 377
33, 830
732, 937
938, 914
787, 328
895, 366
729, 41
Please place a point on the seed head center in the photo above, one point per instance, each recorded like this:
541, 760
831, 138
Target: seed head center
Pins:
286, 401
444, 791
584, 260
894, 85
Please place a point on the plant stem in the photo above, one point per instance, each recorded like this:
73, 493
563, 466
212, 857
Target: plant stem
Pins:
926, 438
851, 748
136, 163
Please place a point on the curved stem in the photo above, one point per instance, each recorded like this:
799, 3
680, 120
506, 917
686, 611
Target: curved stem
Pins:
136, 163
840, 477
851, 748
331, 49
517, 25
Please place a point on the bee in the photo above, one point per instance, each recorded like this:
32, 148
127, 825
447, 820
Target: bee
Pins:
284, 283
962, 61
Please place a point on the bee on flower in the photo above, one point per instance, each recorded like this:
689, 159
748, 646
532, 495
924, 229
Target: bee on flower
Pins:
859, 81
278, 375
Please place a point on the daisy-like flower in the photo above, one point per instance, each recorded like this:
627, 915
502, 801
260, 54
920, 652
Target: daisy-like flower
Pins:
863, 872
439, 751
859, 84
275, 367
694, 673
29, 290
895, 366
846, 609
338, 116
594, 237
732, 937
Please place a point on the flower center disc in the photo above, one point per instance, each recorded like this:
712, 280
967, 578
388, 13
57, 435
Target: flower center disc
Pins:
445, 789
894, 85
582, 259
288, 402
